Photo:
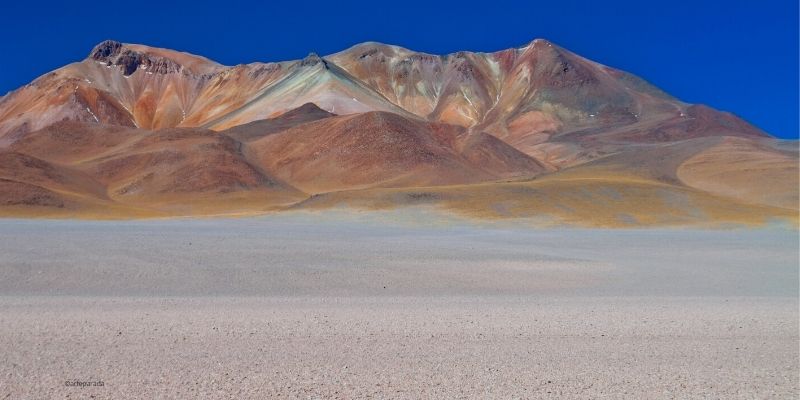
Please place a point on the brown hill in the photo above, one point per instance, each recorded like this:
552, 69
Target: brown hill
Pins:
33, 187
70, 142
176, 169
385, 149
749, 170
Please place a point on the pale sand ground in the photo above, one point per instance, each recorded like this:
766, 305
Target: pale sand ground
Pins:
295, 307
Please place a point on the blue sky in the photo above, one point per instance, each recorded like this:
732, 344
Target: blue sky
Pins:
738, 56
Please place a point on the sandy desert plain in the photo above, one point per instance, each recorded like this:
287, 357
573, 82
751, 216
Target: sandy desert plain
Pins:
395, 304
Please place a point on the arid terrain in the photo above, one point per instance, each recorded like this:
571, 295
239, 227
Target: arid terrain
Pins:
394, 305
385, 223
535, 133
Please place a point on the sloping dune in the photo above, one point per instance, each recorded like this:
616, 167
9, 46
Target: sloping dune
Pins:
752, 171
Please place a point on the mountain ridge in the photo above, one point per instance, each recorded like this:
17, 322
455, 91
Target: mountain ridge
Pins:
135, 59
528, 132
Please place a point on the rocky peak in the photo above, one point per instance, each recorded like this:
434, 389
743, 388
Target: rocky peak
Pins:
115, 53
313, 59
105, 50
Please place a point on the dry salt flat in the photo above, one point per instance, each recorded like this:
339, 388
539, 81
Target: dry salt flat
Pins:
393, 305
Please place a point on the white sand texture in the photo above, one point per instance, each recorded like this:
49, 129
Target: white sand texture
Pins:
336, 306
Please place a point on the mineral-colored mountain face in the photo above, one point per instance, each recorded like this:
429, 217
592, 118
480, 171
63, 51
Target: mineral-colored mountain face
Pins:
535, 131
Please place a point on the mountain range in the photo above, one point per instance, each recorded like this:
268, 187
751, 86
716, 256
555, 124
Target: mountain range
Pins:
535, 132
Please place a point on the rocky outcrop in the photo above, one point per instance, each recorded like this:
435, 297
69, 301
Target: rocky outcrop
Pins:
105, 50
114, 53
312, 59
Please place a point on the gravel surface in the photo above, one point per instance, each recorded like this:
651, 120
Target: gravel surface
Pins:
312, 306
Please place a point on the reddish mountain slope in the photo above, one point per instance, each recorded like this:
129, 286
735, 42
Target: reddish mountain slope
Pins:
384, 149
141, 168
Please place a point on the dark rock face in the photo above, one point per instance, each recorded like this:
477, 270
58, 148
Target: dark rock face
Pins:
264, 69
105, 50
114, 53
129, 61
160, 65
368, 53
